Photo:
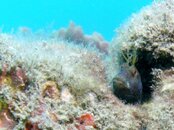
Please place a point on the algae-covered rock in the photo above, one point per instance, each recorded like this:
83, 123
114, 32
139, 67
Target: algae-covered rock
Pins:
75, 75
164, 81
66, 89
150, 33
160, 109
7, 122
50, 89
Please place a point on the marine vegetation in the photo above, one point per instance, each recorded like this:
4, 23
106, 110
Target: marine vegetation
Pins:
150, 32
55, 85
76, 35
61, 84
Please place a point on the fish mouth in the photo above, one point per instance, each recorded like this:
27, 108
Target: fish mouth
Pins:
121, 83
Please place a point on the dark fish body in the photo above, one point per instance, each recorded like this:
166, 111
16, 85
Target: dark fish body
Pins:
127, 84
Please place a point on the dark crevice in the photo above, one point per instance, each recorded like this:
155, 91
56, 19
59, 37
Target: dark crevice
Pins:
146, 62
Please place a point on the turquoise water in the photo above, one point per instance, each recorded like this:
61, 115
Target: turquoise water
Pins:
93, 15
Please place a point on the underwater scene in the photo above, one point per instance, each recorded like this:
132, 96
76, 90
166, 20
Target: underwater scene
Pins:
87, 65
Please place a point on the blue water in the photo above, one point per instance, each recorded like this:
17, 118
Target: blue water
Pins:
93, 15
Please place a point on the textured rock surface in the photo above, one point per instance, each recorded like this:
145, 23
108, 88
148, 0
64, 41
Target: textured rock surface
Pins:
151, 34
65, 82
78, 74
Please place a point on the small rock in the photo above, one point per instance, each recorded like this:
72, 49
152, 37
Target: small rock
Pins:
50, 89
66, 95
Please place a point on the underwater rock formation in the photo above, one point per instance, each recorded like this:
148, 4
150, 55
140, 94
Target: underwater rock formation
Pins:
164, 81
66, 88
64, 85
6, 120
161, 109
50, 89
150, 33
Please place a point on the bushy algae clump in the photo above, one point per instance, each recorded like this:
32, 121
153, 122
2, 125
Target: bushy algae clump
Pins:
76, 35
62, 84
59, 86
161, 108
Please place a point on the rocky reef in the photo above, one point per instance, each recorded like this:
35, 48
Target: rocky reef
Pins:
60, 83
55, 85
150, 34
